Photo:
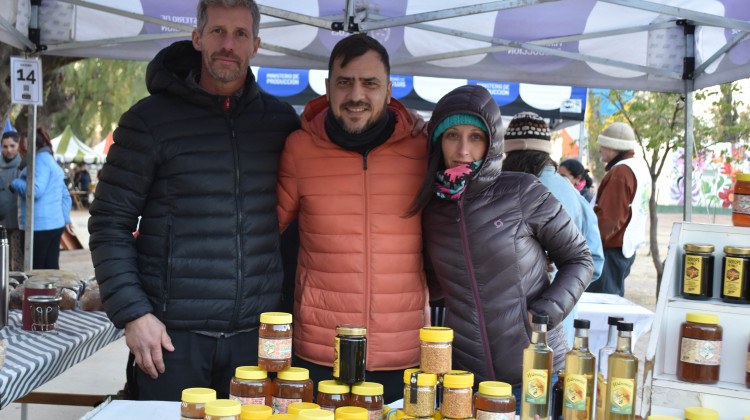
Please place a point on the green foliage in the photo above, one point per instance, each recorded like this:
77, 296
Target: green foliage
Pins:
104, 89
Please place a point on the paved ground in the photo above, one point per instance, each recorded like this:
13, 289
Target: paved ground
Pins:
104, 372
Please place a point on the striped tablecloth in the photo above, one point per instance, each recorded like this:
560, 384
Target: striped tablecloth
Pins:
34, 358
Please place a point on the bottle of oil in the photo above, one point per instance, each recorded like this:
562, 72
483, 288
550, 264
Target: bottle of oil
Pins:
604, 353
579, 375
622, 384
537, 372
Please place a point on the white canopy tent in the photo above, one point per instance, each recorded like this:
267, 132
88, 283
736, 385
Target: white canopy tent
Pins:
68, 148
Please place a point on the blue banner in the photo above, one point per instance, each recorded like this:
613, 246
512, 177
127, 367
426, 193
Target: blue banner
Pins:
504, 93
402, 85
282, 82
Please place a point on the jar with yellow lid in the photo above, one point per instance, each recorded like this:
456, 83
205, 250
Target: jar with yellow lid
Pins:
457, 394
223, 410
699, 355
494, 400
401, 415
332, 395
275, 341
701, 413
436, 344
419, 393
741, 200
295, 408
250, 385
735, 274
697, 271
315, 414
194, 402
255, 412
352, 413
368, 395
291, 385
285, 416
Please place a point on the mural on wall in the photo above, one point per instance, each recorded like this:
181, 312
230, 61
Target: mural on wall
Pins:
714, 175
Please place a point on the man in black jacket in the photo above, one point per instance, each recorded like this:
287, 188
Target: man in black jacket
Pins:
196, 161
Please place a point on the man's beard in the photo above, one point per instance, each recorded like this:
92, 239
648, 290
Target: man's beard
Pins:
222, 74
357, 130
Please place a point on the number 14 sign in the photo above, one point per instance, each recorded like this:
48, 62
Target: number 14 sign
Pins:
26, 80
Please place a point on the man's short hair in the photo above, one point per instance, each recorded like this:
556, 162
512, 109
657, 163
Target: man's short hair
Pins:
248, 4
355, 46
10, 135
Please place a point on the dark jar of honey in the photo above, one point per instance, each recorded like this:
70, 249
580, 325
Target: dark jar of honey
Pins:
735, 274
698, 271
699, 358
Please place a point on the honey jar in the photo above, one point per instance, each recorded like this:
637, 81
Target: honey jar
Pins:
699, 355
698, 271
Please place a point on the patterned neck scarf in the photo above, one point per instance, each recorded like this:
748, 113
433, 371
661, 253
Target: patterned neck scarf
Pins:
451, 183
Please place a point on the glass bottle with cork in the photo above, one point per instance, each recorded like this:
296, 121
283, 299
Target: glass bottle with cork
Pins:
537, 372
622, 385
580, 366
275, 341
699, 354
603, 367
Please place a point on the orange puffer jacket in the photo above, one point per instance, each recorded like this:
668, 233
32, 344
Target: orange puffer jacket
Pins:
360, 261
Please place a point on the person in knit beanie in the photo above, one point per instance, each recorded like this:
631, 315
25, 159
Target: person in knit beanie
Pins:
527, 147
621, 205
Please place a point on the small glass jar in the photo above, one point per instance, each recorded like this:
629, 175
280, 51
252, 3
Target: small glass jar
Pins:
275, 341
332, 395
698, 271
419, 393
291, 385
457, 395
350, 354
194, 402
735, 274
255, 412
352, 413
368, 395
315, 414
435, 349
700, 349
250, 385
295, 408
223, 410
494, 400
741, 201
701, 413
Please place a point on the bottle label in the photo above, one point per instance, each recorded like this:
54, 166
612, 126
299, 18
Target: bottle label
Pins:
279, 405
493, 415
741, 203
330, 408
601, 389
248, 400
336, 357
536, 386
275, 348
700, 352
733, 270
621, 398
375, 413
575, 391
692, 279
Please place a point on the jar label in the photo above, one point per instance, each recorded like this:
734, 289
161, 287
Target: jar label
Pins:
700, 352
248, 400
601, 389
575, 392
492, 415
536, 386
741, 203
375, 413
733, 271
330, 408
275, 348
692, 279
279, 405
336, 357
621, 398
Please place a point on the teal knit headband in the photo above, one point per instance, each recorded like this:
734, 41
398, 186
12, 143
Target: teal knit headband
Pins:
458, 119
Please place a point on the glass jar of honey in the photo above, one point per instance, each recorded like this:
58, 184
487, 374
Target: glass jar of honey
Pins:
332, 395
223, 410
735, 274
275, 341
741, 201
255, 412
295, 408
350, 354
291, 385
494, 400
352, 413
194, 402
250, 385
701, 413
699, 355
368, 395
698, 271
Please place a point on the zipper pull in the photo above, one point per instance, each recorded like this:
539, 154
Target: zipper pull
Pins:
226, 104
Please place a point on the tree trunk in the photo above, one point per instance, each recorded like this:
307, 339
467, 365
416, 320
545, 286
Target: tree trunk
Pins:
653, 238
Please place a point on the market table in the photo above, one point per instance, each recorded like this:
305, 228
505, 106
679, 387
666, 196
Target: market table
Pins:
597, 307
34, 358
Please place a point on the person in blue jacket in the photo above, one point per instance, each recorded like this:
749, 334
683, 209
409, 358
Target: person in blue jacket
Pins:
51, 203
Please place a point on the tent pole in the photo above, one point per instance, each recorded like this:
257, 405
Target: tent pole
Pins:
28, 251
689, 78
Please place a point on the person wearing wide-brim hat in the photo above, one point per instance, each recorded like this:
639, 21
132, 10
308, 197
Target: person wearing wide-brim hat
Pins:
621, 205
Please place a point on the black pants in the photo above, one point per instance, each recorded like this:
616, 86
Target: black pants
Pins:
47, 248
616, 268
197, 361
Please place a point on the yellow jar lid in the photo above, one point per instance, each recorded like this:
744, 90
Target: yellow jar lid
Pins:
436, 334
401, 415
700, 413
423, 378
223, 408
355, 413
742, 177
296, 407
255, 412
250, 372
281, 416
495, 389
294, 374
737, 250
367, 389
699, 318
315, 414
662, 418
276, 318
698, 247
350, 329
330, 386
198, 395
458, 379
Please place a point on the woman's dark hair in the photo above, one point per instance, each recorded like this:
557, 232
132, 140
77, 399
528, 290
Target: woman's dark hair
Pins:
43, 139
574, 167
426, 191
528, 161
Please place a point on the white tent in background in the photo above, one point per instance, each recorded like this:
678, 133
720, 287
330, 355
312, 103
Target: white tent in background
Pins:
68, 148
103, 146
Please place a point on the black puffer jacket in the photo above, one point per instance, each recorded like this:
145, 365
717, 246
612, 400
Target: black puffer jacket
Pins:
203, 181
488, 254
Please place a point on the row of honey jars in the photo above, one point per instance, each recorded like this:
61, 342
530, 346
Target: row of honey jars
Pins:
698, 269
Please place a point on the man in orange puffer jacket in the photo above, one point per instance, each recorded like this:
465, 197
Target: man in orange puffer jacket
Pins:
350, 174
